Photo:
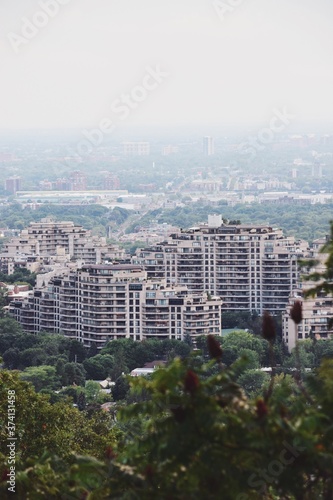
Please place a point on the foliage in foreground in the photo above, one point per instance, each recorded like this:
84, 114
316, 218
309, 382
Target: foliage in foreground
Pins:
196, 435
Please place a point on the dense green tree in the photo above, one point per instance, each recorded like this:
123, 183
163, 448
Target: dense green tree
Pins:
81, 400
42, 377
173, 348
39, 425
74, 373
302, 356
93, 351
244, 340
60, 367
253, 381
135, 354
70, 392
20, 276
120, 367
95, 369
54, 344
11, 335
77, 351
35, 356
198, 436
252, 358
99, 367
120, 389
321, 349
114, 346
3, 300
92, 391
9, 326
25, 341
11, 358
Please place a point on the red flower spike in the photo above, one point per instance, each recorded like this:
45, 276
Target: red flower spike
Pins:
268, 327
262, 409
214, 348
149, 472
4, 475
191, 382
109, 453
296, 312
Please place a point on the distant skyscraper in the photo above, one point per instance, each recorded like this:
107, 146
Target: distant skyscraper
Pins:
208, 146
13, 184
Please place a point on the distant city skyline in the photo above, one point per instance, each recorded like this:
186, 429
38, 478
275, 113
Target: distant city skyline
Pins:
74, 66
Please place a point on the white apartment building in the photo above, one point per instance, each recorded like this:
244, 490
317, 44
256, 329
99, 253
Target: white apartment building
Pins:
43, 238
48, 240
316, 310
98, 303
250, 267
172, 312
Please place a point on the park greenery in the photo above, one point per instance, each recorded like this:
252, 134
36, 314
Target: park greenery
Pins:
21, 275
91, 216
189, 431
302, 221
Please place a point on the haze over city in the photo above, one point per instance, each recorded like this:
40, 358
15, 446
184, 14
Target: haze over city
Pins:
221, 66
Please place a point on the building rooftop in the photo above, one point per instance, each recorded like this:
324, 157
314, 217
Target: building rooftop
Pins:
113, 267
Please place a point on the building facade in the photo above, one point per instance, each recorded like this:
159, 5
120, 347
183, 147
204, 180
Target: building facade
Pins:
13, 184
250, 267
43, 242
316, 311
98, 303
208, 146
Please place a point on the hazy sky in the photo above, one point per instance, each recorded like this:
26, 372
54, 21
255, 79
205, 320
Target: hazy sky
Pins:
236, 67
